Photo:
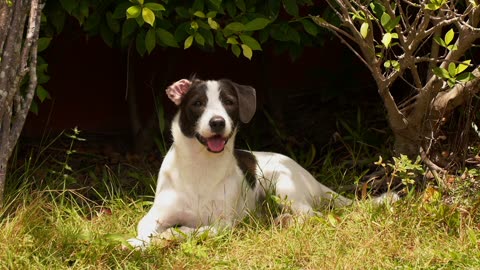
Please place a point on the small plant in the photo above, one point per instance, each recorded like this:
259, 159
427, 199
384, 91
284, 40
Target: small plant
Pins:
65, 169
404, 169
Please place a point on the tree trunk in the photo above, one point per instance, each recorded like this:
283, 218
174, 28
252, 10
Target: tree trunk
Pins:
18, 52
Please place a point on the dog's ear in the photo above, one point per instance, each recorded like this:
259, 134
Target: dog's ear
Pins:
177, 90
247, 101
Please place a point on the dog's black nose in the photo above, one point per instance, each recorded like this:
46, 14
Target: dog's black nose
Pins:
217, 124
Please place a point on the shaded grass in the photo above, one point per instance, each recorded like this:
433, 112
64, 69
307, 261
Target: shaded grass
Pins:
61, 229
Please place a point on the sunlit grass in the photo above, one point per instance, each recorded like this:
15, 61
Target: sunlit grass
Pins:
60, 229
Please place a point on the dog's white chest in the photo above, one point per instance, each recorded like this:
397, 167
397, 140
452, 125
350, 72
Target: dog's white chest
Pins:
198, 193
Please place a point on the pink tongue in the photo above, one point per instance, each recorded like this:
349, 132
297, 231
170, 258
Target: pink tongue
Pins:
216, 143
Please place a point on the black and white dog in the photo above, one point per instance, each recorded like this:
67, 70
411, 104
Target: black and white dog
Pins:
204, 183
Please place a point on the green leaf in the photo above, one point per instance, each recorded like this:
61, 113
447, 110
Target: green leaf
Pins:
216, 3
166, 38
247, 51
199, 14
194, 25
140, 43
309, 27
385, 19
451, 82
465, 77
148, 16
291, 7
250, 42
452, 69
43, 43
284, 32
441, 72
113, 24
140, 2
213, 24
150, 40
452, 47
256, 24
235, 27
133, 12
231, 9
364, 29
208, 36
387, 39
431, 6
198, 5
188, 42
42, 94
211, 14
232, 40
107, 35
34, 107
182, 12
220, 40
236, 50
449, 36
139, 21
199, 39
392, 24
120, 10
377, 9
241, 5
128, 28
462, 66
154, 6
440, 41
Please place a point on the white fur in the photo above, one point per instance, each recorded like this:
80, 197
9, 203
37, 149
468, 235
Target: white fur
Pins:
214, 108
198, 189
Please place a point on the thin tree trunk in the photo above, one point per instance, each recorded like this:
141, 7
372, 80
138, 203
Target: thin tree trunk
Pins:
18, 52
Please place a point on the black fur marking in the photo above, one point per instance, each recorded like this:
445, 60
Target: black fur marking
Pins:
192, 107
245, 102
229, 99
248, 164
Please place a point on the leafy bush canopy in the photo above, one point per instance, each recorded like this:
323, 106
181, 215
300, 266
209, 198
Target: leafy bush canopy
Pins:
241, 26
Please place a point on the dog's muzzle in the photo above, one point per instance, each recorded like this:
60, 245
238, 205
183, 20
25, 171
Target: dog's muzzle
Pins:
217, 139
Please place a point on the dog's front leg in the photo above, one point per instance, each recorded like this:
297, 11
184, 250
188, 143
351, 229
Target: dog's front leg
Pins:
152, 224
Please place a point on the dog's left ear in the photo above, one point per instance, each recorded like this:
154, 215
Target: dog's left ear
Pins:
177, 90
247, 101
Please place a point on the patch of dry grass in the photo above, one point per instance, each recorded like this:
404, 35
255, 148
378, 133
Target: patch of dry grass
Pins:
62, 230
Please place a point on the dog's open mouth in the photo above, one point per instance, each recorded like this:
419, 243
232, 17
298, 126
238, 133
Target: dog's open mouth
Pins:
214, 144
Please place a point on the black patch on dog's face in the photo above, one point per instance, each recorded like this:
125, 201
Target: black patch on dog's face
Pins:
248, 164
229, 99
192, 107
245, 100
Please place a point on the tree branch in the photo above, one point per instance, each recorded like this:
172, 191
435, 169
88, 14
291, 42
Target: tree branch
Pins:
446, 101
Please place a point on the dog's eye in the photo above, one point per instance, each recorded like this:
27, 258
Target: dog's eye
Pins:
228, 102
197, 103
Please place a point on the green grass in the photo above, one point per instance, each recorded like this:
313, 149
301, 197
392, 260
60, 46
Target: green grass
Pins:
47, 223
61, 229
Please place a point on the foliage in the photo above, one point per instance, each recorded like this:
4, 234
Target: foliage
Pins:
423, 46
237, 25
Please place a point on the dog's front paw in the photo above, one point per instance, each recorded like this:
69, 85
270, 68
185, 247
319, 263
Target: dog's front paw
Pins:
136, 243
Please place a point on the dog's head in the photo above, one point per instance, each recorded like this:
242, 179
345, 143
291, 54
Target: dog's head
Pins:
210, 111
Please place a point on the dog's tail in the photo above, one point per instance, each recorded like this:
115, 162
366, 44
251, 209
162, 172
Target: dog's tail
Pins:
338, 201
386, 198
